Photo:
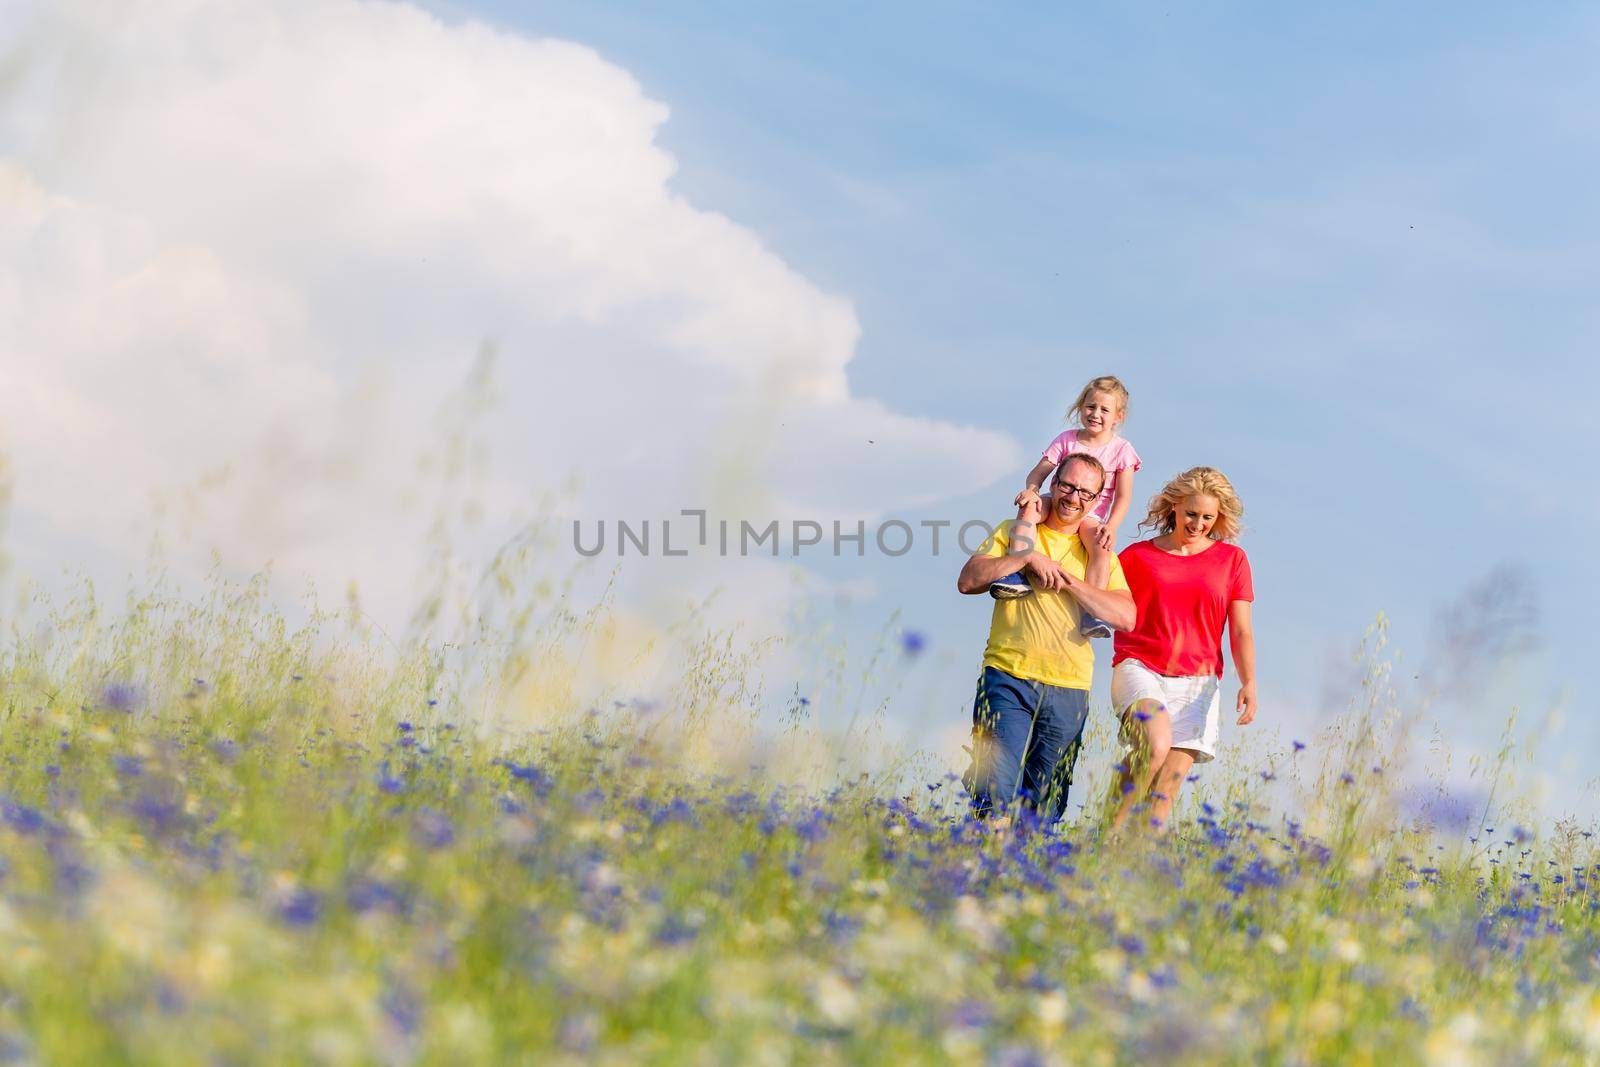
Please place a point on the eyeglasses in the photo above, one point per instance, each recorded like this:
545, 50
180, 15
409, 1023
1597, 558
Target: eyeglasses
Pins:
1081, 493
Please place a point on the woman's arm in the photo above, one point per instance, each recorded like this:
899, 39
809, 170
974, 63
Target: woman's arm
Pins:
1242, 640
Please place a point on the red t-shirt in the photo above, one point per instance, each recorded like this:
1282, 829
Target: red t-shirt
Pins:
1183, 603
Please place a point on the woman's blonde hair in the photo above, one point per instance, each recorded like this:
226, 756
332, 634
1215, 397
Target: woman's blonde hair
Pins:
1197, 481
1106, 383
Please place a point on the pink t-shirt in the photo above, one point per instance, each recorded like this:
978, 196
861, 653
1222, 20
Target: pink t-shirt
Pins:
1115, 455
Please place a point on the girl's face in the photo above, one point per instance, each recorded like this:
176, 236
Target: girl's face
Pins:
1101, 411
1194, 517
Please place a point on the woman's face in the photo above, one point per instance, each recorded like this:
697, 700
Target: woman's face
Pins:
1193, 518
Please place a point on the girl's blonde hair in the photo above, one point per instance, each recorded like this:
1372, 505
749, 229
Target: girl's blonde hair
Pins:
1197, 481
1106, 383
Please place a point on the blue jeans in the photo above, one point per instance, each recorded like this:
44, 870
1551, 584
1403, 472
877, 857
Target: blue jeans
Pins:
1025, 739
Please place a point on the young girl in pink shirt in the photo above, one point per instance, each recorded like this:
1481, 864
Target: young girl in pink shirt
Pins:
1098, 411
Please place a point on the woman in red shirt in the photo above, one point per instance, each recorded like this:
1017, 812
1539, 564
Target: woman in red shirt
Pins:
1166, 676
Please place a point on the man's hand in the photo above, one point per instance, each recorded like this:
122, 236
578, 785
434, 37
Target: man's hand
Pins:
1106, 537
1246, 704
1046, 573
1029, 498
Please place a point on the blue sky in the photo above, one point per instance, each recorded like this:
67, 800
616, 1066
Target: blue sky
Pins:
830, 261
1347, 254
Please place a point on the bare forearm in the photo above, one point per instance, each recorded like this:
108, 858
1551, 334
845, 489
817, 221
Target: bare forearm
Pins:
1119, 511
1114, 606
1040, 472
1242, 641
1123, 500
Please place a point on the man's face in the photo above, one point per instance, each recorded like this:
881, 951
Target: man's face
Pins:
1073, 482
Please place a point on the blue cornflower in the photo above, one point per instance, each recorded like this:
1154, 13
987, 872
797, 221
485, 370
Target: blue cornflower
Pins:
302, 907
21, 818
365, 894
128, 766
675, 931
123, 696
971, 1014
402, 1007
912, 642
388, 783
168, 998
434, 829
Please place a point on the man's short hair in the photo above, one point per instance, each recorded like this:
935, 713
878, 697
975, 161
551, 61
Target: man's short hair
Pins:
1088, 461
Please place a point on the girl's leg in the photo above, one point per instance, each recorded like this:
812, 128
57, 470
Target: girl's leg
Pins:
1022, 542
1022, 532
1165, 785
1097, 572
1147, 720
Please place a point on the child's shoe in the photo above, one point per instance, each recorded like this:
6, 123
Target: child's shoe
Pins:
1092, 626
1011, 587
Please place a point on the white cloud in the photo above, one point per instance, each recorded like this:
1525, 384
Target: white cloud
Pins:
248, 247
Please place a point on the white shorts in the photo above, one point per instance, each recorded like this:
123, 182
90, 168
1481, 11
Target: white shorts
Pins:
1193, 702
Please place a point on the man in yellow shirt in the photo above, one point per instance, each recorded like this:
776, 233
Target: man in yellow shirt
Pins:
1033, 698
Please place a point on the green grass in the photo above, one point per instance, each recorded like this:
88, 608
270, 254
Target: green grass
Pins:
227, 840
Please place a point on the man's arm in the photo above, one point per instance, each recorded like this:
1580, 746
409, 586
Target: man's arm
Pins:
1114, 606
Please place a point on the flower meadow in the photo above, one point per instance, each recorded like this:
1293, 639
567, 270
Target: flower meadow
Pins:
228, 840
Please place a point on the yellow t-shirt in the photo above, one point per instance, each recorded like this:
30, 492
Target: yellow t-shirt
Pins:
1036, 637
